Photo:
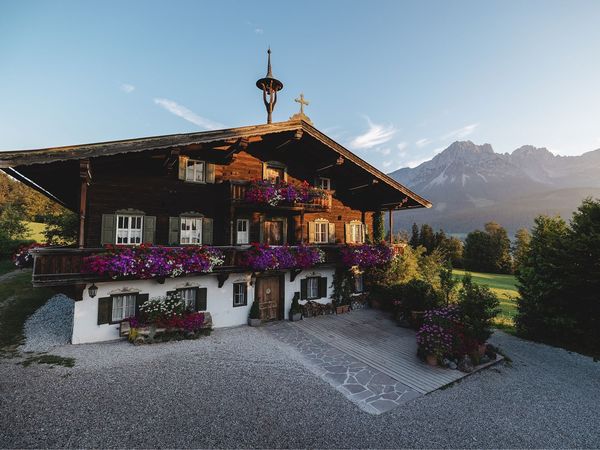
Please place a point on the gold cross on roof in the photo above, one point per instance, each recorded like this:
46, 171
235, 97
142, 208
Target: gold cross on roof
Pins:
302, 102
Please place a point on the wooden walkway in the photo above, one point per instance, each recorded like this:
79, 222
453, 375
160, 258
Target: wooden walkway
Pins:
372, 338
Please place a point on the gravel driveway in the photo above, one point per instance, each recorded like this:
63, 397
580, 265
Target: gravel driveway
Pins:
243, 388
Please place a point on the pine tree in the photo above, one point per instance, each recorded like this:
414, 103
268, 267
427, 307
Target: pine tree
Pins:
414, 238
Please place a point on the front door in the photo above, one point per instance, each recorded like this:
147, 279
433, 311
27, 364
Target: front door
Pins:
269, 297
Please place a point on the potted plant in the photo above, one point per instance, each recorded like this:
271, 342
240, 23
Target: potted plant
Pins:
254, 315
295, 309
342, 290
418, 296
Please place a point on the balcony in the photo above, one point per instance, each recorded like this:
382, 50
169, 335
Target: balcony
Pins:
317, 200
62, 266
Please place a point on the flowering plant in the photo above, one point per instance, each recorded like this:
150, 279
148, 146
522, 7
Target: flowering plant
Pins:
148, 261
273, 194
264, 257
162, 308
366, 255
22, 258
437, 335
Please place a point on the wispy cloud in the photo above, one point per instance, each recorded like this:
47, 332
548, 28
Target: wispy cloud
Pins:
416, 162
186, 114
255, 27
376, 135
423, 142
387, 164
127, 88
259, 30
460, 133
384, 151
402, 145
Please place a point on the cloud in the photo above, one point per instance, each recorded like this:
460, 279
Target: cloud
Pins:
186, 114
259, 30
416, 162
402, 145
423, 142
376, 135
387, 164
460, 133
127, 88
384, 151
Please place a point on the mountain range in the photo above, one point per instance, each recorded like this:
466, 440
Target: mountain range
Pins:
471, 184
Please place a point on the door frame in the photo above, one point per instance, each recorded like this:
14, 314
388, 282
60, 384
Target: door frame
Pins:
281, 277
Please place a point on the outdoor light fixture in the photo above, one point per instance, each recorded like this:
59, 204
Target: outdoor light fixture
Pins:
93, 290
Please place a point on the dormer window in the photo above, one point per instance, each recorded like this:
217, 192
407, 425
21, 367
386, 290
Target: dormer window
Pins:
195, 171
274, 172
324, 183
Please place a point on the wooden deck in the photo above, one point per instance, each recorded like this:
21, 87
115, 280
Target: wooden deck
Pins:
370, 337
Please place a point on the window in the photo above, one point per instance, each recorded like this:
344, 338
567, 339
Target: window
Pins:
239, 294
321, 232
242, 234
312, 287
324, 183
194, 171
275, 174
191, 230
188, 297
358, 283
357, 235
273, 232
129, 230
123, 306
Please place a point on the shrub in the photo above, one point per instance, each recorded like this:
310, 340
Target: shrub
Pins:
419, 295
343, 287
254, 311
478, 306
22, 258
295, 307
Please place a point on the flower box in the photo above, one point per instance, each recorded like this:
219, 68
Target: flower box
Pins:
282, 193
366, 255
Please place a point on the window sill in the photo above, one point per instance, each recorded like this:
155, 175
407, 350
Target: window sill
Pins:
239, 306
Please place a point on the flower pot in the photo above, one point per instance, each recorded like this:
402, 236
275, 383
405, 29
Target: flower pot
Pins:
431, 360
295, 317
342, 309
416, 319
254, 322
482, 348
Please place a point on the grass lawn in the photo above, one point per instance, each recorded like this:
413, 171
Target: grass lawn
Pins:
18, 300
6, 265
504, 286
35, 231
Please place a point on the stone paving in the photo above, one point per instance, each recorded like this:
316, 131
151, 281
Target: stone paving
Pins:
373, 391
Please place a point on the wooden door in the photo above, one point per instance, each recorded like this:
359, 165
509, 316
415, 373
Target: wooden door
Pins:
268, 291
273, 232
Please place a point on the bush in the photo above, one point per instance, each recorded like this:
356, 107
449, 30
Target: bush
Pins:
295, 308
419, 295
478, 306
343, 287
254, 311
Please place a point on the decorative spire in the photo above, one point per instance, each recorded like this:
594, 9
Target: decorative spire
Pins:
270, 86
300, 115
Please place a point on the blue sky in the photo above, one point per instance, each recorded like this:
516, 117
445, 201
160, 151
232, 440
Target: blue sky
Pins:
394, 81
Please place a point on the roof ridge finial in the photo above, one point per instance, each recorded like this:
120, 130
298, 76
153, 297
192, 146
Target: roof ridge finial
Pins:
269, 72
269, 86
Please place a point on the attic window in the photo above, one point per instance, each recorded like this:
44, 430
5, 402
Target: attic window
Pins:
194, 171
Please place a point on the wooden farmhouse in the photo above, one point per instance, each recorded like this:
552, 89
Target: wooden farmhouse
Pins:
193, 190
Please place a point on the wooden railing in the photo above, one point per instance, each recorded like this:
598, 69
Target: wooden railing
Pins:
60, 266
238, 195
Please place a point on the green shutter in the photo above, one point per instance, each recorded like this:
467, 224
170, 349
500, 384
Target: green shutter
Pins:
174, 227
201, 299
104, 310
182, 166
139, 301
149, 229
207, 231
348, 233
311, 232
210, 173
303, 289
323, 287
109, 225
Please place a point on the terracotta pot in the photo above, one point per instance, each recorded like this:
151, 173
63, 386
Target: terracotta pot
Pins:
342, 309
431, 360
482, 348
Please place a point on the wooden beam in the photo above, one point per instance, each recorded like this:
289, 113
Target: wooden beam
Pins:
372, 183
338, 162
85, 175
222, 278
240, 145
391, 225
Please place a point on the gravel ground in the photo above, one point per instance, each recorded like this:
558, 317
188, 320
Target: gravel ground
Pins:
243, 388
50, 326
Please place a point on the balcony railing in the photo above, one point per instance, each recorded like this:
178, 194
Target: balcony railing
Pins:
238, 190
60, 266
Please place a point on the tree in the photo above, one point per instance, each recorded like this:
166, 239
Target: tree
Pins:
521, 247
378, 227
62, 228
478, 307
447, 282
11, 227
452, 248
414, 238
426, 238
489, 250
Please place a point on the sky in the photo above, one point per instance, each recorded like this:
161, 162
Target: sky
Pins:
394, 81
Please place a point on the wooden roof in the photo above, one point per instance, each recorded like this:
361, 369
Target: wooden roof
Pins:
16, 163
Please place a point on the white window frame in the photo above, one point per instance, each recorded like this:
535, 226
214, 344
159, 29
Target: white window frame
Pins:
186, 237
130, 233
324, 183
321, 232
312, 288
357, 232
123, 306
189, 297
239, 296
242, 237
198, 171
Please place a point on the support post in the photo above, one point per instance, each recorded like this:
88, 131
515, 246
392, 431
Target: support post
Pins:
85, 176
302, 227
391, 225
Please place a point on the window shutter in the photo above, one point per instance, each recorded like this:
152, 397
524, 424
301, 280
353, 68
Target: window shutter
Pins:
348, 233
201, 299
323, 287
311, 232
210, 173
331, 233
245, 294
303, 289
284, 231
363, 229
261, 230
149, 229
109, 227
104, 310
174, 227
207, 231
139, 301
182, 166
